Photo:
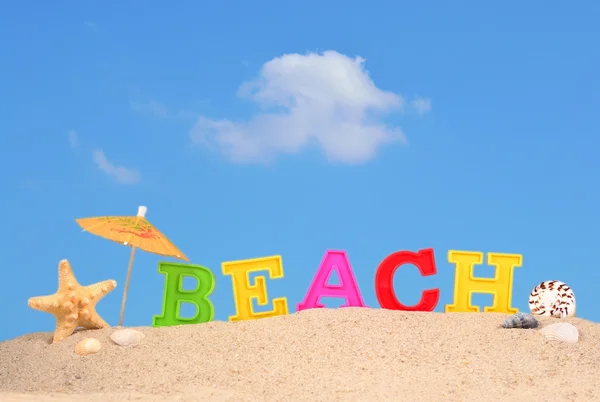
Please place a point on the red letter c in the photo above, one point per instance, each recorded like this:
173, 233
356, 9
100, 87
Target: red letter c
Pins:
384, 288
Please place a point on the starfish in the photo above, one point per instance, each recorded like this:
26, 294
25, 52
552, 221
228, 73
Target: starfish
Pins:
73, 305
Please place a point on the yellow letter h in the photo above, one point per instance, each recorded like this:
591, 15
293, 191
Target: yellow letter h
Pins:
465, 283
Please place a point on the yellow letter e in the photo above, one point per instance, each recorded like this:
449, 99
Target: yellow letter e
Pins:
244, 291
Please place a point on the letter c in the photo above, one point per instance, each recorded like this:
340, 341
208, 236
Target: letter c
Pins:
424, 260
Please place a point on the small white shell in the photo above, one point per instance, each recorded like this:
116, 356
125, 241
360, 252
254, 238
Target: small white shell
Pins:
127, 337
561, 332
88, 346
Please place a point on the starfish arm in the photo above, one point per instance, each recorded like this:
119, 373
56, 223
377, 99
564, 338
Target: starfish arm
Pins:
98, 290
48, 304
90, 319
65, 325
66, 278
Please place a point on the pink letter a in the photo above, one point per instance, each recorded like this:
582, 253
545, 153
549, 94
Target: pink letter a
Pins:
347, 289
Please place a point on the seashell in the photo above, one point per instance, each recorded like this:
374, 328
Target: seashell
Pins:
521, 320
127, 337
552, 298
88, 346
561, 332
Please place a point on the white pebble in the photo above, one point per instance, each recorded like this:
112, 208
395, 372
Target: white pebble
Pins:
127, 337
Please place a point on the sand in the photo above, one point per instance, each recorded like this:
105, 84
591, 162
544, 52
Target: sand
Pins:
349, 354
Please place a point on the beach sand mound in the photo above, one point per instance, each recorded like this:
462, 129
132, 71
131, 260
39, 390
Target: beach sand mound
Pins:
348, 354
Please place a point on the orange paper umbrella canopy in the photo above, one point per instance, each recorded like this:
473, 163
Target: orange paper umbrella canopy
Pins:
133, 231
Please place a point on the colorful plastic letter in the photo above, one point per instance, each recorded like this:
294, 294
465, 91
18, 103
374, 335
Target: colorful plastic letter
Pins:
424, 260
500, 286
244, 291
347, 289
174, 294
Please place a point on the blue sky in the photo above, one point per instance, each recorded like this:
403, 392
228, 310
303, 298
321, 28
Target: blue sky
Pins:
467, 126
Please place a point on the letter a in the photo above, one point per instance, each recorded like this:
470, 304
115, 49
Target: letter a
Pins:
174, 294
347, 289
500, 286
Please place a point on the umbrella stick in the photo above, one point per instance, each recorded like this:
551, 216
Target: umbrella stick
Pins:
126, 285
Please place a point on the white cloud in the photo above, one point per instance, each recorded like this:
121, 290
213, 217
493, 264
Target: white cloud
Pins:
121, 174
73, 138
326, 99
152, 107
422, 105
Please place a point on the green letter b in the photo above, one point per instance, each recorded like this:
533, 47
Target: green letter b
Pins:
175, 295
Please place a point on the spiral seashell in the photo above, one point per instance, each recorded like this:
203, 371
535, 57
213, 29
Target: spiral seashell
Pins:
521, 320
552, 298
561, 332
88, 346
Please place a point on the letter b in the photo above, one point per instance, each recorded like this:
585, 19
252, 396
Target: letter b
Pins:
175, 295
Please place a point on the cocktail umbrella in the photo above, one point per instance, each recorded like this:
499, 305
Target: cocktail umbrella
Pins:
133, 231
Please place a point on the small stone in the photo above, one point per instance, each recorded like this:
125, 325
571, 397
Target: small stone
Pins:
127, 337
521, 320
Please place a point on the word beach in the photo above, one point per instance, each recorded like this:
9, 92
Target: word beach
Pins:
244, 290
